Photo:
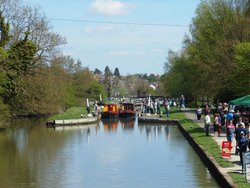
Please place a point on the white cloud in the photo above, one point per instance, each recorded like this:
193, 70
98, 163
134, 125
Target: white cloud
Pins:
110, 7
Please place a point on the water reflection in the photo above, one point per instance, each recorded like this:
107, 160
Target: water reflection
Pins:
33, 156
84, 129
110, 124
153, 132
127, 124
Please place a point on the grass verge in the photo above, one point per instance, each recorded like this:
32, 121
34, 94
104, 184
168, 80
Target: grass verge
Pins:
239, 180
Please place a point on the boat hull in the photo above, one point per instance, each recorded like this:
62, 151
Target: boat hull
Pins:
71, 122
127, 114
109, 115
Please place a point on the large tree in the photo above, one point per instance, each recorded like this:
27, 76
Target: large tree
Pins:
108, 81
24, 18
117, 72
208, 65
242, 68
217, 28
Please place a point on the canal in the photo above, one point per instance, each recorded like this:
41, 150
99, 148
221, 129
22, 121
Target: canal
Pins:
110, 154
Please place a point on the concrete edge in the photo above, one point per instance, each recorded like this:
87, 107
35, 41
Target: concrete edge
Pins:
155, 120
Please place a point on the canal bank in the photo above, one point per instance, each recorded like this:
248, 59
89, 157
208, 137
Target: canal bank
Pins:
221, 174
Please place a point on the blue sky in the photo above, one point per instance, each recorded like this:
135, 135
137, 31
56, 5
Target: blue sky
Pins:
131, 48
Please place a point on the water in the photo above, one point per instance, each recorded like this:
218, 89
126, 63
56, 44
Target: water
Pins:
110, 154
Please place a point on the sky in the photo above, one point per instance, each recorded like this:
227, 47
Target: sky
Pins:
98, 32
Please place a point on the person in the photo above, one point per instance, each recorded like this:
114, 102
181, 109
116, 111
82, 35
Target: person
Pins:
155, 107
247, 127
230, 131
217, 123
95, 106
238, 131
236, 117
151, 107
223, 117
242, 146
88, 109
230, 115
167, 110
248, 134
240, 122
198, 113
167, 106
174, 104
206, 109
158, 107
207, 124
182, 101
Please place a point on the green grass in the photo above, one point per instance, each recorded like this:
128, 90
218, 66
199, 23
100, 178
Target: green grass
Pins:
208, 143
239, 180
71, 113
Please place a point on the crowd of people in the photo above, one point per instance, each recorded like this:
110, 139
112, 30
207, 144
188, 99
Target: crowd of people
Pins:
236, 126
153, 106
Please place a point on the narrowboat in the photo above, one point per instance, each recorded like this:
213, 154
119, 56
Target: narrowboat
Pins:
127, 110
110, 111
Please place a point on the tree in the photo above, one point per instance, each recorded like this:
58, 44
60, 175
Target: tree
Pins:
44, 92
22, 56
181, 77
97, 71
107, 71
242, 68
137, 85
108, 81
26, 18
152, 78
117, 72
35, 78
4, 32
19, 62
145, 76
207, 62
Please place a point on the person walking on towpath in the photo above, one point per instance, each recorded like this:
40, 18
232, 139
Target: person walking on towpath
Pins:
217, 123
207, 124
230, 131
238, 131
198, 113
242, 144
182, 102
